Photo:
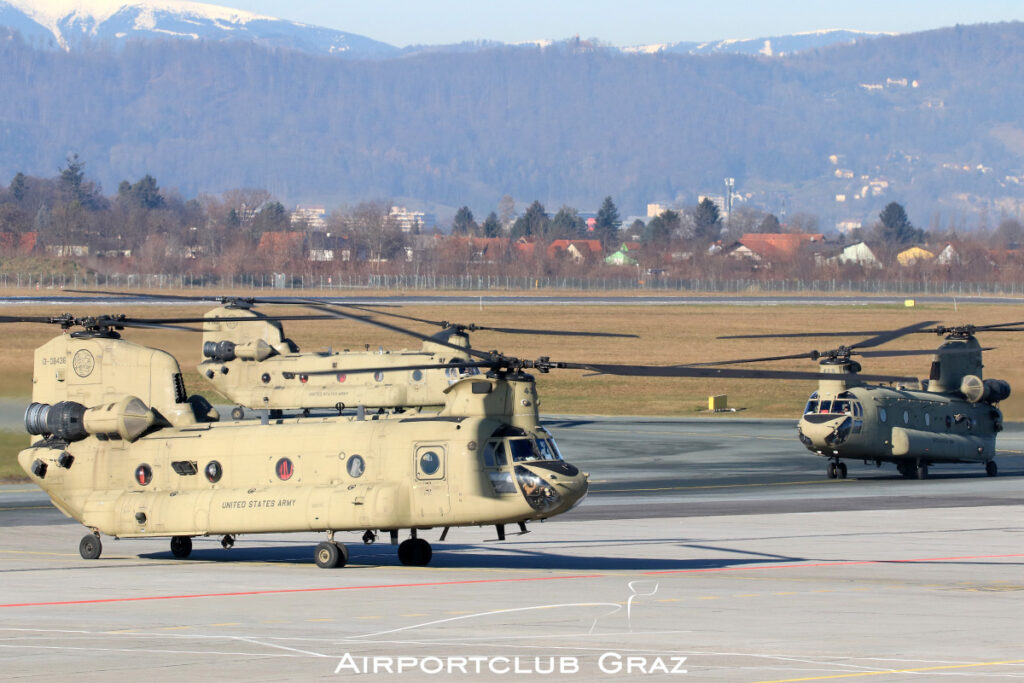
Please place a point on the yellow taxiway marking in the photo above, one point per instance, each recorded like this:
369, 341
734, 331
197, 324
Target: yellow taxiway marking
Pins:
228, 623
30, 507
321, 619
174, 628
708, 597
19, 491
36, 552
460, 612
668, 600
125, 630
887, 672
727, 486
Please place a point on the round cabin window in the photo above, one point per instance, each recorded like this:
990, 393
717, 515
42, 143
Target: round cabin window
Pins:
430, 462
214, 471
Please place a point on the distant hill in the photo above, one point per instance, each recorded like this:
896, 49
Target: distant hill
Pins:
774, 46
69, 23
929, 119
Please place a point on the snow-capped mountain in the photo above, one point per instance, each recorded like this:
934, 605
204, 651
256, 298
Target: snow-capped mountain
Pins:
68, 22
771, 47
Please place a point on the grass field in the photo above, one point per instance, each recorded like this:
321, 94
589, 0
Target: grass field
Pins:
668, 335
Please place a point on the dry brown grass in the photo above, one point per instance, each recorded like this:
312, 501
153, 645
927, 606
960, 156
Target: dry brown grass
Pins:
669, 335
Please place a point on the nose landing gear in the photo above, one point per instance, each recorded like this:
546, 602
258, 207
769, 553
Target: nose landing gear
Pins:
836, 469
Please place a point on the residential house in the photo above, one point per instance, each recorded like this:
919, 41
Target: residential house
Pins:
948, 256
777, 247
578, 250
621, 257
909, 257
859, 253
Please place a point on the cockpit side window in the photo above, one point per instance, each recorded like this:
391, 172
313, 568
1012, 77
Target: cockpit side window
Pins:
494, 453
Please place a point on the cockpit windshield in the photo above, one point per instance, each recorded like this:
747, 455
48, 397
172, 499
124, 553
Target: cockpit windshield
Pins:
521, 449
841, 405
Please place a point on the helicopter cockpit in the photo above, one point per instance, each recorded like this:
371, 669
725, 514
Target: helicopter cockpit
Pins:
843, 404
506, 453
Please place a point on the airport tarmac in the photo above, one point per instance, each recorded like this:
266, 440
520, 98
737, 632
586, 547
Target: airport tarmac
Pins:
719, 541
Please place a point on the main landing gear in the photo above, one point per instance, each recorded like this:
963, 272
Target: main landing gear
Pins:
991, 469
918, 470
415, 551
412, 551
836, 469
330, 554
90, 546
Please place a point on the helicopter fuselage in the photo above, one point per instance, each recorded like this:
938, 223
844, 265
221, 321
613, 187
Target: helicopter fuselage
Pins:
886, 424
255, 366
307, 474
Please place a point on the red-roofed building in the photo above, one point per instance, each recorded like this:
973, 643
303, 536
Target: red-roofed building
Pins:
577, 250
779, 247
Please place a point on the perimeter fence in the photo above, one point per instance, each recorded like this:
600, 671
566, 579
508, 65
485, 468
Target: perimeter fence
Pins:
484, 283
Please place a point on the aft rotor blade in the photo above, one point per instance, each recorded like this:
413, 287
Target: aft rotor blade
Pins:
400, 330
873, 333
880, 339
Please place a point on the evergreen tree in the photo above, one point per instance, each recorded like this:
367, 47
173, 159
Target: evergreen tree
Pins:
894, 227
707, 221
533, 223
491, 226
18, 187
463, 223
567, 224
608, 222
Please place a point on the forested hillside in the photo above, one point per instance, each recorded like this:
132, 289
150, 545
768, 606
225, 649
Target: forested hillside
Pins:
934, 115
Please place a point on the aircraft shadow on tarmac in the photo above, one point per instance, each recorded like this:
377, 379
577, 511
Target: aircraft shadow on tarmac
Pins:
482, 556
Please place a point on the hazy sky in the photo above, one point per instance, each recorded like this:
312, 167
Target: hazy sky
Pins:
623, 22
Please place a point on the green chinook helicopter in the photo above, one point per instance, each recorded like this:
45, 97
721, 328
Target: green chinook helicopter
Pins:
951, 417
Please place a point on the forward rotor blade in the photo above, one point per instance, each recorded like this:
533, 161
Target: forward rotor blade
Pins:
472, 327
880, 339
722, 373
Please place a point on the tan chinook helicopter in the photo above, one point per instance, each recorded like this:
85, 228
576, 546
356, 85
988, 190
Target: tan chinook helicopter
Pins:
952, 417
254, 365
125, 451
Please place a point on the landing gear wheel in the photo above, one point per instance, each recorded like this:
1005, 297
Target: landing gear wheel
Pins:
369, 537
841, 473
181, 546
922, 471
832, 470
330, 555
90, 547
906, 470
991, 469
237, 413
227, 542
415, 551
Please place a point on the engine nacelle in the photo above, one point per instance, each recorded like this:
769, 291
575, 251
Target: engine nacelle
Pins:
977, 390
127, 419
224, 351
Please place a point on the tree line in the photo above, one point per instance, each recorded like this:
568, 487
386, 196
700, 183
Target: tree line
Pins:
144, 228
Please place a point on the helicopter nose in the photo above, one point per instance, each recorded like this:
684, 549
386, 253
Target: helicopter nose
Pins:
552, 488
818, 432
